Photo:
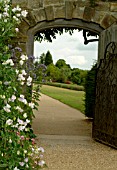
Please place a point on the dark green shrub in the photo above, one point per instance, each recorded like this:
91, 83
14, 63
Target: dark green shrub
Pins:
90, 88
66, 86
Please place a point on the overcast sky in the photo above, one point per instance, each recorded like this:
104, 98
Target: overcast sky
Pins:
71, 49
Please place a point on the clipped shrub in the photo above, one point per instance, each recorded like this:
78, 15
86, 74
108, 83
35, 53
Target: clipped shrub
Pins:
90, 88
66, 86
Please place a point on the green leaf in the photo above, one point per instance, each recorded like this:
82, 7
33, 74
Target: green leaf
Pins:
2, 166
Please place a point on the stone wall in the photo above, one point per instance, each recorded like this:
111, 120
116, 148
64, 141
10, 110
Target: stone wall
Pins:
103, 14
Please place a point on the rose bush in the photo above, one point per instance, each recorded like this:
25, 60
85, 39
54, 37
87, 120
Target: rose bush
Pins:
18, 150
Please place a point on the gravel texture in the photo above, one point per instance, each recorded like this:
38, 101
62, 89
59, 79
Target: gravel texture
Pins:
65, 134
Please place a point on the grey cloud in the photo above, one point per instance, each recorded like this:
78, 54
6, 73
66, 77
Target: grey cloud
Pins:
65, 46
92, 46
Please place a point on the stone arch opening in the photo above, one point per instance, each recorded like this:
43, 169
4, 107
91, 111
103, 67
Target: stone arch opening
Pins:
74, 23
105, 37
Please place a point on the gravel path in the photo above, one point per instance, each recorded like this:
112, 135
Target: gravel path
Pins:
65, 134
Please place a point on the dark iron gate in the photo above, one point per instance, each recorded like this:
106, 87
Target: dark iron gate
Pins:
105, 119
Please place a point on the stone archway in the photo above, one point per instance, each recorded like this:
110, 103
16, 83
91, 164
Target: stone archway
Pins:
102, 18
103, 14
74, 23
100, 125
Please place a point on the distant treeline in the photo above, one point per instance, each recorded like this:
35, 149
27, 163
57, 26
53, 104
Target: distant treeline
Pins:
60, 72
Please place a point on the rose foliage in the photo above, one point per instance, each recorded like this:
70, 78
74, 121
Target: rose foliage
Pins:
18, 150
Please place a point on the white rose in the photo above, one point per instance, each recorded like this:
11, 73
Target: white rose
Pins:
18, 152
0, 16
10, 141
24, 72
24, 57
25, 151
24, 13
9, 122
21, 62
17, 29
18, 15
32, 105
7, 108
25, 115
16, 168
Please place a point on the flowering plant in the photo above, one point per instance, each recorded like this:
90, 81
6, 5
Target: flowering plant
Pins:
17, 143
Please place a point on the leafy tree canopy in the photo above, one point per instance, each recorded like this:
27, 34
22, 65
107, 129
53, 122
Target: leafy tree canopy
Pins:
61, 63
53, 72
75, 76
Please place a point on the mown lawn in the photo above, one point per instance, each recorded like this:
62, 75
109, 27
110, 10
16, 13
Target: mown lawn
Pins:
72, 98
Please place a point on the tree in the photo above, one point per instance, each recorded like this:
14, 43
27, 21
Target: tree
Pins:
83, 74
42, 58
65, 73
75, 76
65, 70
53, 72
61, 63
48, 58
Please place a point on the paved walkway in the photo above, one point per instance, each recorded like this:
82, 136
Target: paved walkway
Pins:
65, 133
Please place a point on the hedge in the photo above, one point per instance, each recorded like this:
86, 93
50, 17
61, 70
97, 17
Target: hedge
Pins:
90, 92
67, 86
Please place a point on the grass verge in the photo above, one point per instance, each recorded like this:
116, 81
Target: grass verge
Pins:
72, 98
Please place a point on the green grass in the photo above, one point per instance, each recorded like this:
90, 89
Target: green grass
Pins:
72, 98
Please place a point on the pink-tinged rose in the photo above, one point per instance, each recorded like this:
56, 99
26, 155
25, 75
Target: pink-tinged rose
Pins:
26, 160
21, 163
22, 137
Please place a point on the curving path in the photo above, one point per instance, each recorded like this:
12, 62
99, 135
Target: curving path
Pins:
65, 133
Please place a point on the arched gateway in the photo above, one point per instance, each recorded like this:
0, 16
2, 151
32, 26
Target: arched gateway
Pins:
101, 19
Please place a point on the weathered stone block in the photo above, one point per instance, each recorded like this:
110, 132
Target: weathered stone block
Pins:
21, 38
81, 3
35, 4
39, 15
78, 12
49, 13
102, 6
113, 7
22, 46
21, 3
59, 11
88, 13
68, 9
114, 14
30, 19
53, 2
25, 27
98, 16
107, 21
